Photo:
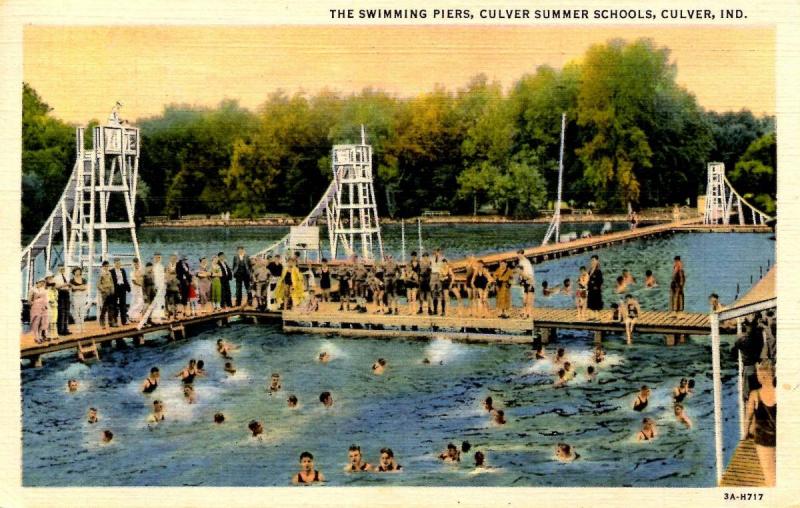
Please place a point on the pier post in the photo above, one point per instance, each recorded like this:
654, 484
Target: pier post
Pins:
120, 344
669, 339
598, 336
138, 340
547, 334
36, 361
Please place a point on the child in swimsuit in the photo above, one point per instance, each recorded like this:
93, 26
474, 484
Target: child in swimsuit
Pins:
640, 403
307, 474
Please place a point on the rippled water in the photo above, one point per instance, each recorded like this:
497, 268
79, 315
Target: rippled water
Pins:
415, 409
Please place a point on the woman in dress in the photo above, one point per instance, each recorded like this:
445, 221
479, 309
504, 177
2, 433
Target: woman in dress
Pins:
595, 289
39, 316
502, 277
762, 409
204, 284
52, 308
78, 298
216, 283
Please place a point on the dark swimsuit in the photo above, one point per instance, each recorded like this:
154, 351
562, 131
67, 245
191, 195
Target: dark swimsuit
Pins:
325, 279
151, 387
316, 478
679, 398
188, 379
632, 312
390, 468
765, 423
362, 468
480, 281
639, 404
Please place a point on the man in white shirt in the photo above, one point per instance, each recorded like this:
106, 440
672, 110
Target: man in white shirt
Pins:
62, 285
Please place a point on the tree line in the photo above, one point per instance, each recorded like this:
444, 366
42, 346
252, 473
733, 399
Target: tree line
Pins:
633, 135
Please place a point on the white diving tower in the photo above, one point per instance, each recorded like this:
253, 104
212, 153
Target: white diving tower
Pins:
554, 229
722, 201
77, 232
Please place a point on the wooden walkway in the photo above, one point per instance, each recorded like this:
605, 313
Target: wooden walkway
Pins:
329, 320
94, 333
744, 469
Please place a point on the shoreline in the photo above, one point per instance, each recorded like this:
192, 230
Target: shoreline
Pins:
645, 216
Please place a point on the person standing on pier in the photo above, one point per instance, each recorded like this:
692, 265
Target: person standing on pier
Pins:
242, 272
79, 294
528, 283
203, 276
62, 286
676, 286
121, 290
137, 291
275, 270
436, 280
38, 301
595, 289
225, 280
184, 274
159, 280
425, 283
502, 277
105, 291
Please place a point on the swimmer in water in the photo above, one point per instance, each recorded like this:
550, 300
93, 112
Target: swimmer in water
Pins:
451, 454
648, 431
566, 453
566, 287
326, 399
561, 380
628, 277
356, 463
229, 368
151, 382
681, 391
225, 348
500, 417
307, 474
219, 418
426, 361
188, 374
680, 415
561, 356
640, 402
324, 357
275, 382
621, 285
591, 374
599, 354
93, 418
189, 394
387, 463
650, 279
539, 354
548, 291
256, 428
479, 459
569, 372
488, 404
379, 366
158, 413
106, 436
292, 401
201, 368
72, 385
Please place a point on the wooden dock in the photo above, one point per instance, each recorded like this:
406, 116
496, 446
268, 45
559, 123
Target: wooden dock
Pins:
94, 334
329, 320
744, 469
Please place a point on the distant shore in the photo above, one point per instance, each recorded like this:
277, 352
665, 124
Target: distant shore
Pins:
655, 215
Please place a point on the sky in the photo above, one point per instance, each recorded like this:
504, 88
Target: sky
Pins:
82, 71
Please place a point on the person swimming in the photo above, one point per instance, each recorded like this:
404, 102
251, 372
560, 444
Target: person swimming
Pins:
229, 368
379, 366
292, 401
451, 454
540, 353
566, 287
628, 277
324, 357
621, 285
106, 436
201, 368
561, 379
93, 418
158, 413
648, 431
72, 385
500, 417
681, 391
256, 428
566, 453
681, 416
591, 374
488, 404
479, 459
189, 394
641, 400
189, 373
356, 463
275, 382
307, 474
650, 279
225, 348
561, 356
387, 463
326, 399
547, 290
151, 382
569, 372
599, 354
219, 418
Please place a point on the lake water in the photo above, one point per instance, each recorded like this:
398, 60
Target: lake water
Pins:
414, 408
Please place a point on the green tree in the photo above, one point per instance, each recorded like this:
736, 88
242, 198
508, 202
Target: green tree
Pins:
754, 176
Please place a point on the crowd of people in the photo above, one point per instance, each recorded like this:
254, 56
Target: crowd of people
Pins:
427, 284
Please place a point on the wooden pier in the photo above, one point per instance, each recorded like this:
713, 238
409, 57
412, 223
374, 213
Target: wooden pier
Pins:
744, 469
96, 336
329, 320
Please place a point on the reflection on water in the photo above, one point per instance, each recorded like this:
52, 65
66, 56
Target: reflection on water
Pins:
414, 408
